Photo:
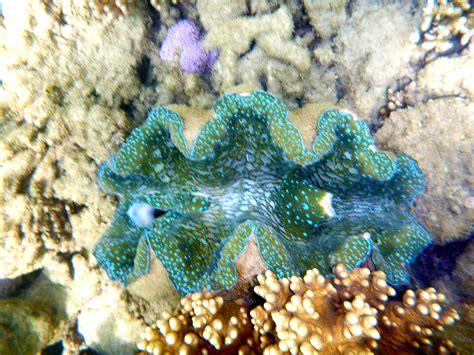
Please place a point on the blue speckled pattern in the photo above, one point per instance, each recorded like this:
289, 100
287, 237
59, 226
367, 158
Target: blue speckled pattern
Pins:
248, 172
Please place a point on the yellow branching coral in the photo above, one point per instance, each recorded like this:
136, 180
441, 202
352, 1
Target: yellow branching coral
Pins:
204, 324
112, 9
350, 314
443, 21
313, 314
411, 324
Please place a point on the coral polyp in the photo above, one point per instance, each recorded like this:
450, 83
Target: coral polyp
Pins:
248, 173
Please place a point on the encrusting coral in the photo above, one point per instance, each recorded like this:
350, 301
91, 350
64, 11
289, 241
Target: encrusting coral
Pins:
352, 313
248, 172
442, 125
66, 76
271, 33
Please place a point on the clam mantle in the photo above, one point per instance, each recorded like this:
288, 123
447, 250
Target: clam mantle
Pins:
248, 172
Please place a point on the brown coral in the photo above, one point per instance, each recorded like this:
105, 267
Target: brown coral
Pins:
313, 314
205, 324
444, 22
352, 313
411, 323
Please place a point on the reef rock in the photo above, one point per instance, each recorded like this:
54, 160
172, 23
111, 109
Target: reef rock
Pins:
439, 135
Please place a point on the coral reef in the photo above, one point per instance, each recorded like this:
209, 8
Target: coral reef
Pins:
76, 76
184, 40
361, 71
271, 34
318, 52
203, 324
67, 78
111, 9
33, 318
25, 327
248, 172
464, 271
353, 313
461, 334
446, 24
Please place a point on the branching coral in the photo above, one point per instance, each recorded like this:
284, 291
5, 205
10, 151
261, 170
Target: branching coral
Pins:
352, 313
112, 9
204, 324
446, 23
248, 172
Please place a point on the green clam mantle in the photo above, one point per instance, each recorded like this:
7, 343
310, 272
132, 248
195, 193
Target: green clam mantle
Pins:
248, 173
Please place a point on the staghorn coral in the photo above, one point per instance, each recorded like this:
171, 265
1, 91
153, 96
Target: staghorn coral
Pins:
446, 24
342, 200
354, 312
204, 324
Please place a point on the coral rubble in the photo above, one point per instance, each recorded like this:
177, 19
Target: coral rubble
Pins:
248, 172
352, 313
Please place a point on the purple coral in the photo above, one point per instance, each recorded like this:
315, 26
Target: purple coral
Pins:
185, 38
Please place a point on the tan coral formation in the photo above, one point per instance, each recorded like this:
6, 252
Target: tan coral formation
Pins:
204, 324
309, 315
443, 21
272, 35
112, 9
352, 313
412, 322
